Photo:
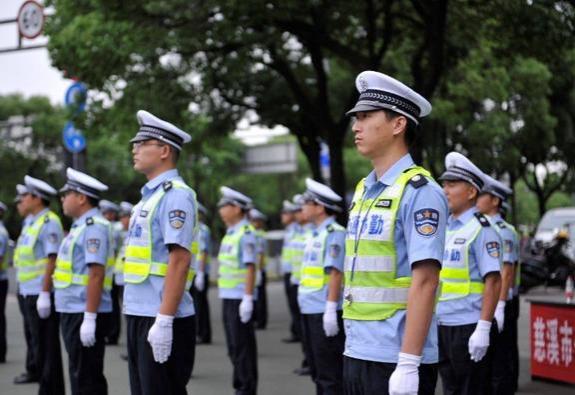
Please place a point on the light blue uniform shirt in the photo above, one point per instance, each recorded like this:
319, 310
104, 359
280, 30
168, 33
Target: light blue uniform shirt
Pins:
333, 258
306, 229
204, 246
381, 341
48, 243
467, 310
144, 299
92, 247
119, 277
288, 235
4, 240
247, 255
509, 244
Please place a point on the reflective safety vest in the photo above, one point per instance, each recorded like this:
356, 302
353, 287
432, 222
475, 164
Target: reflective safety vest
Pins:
454, 276
313, 275
261, 236
298, 244
64, 275
6, 256
230, 275
288, 248
138, 263
28, 266
372, 290
119, 265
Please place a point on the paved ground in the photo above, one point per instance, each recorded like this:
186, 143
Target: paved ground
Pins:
212, 374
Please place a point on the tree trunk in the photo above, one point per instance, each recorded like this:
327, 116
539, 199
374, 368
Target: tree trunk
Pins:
310, 148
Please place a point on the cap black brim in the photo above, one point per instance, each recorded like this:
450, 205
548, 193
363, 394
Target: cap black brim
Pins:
363, 108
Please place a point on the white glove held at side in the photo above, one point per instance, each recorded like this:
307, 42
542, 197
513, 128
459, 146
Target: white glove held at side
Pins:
330, 326
44, 305
500, 315
246, 308
88, 329
479, 341
160, 337
199, 281
405, 378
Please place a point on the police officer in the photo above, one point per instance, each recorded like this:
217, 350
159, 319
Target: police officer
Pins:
35, 257
31, 373
394, 247
319, 292
125, 213
489, 203
290, 226
202, 280
83, 280
258, 220
237, 259
4, 258
158, 269
471, 282
110, 211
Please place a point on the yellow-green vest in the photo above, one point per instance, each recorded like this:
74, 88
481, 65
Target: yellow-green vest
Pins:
230, 275
64, 275
454, 276
261, 236
6, 256
288, 248
372, 290
138, 263
28, 266
298, 246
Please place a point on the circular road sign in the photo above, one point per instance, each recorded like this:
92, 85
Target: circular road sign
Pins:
30, 19
76, 96
74, 140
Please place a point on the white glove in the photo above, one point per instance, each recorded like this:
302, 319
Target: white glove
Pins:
199, 281
88, 329
160, 337
405, 378
246, 308
44, 305
500, 315
330, 326
479, 341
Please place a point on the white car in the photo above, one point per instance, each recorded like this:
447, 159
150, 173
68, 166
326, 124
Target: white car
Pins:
552, 222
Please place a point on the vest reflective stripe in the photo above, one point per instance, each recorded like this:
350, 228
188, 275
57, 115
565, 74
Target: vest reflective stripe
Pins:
230, 275
288, 249
298, 247
138, 264
119, 265
28, 266
374, 292
313, 275
6, 256
64, 275
454, 276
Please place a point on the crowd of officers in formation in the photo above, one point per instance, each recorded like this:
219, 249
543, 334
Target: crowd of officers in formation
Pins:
421, 282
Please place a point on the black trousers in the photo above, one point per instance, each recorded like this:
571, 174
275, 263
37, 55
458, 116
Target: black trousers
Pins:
242, 348
513, 318
3, 294
295, 314
367, 377
85, 364
203, 322
45, 340
325, 354
116, 315
502, 363
149, 377
261, 306
31, 367
459, 374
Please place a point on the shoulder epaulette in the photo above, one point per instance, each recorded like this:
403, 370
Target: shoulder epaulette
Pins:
330, 228
46, 219
167, 185
89, 221
482, 220
247, 229
501, 224
417, 181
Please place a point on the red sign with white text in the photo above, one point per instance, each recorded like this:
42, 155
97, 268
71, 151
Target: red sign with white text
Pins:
552, 346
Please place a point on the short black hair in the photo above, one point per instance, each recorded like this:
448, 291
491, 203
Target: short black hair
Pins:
330, 211
92, 201
410, 129
45, 202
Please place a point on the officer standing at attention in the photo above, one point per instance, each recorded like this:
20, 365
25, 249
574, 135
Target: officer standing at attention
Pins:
489, 203
124, 215
319, 292
258, 221
4, 257
237, 259
290, 227
158, 267
110, 211
471, 282
202, 280
35, 257
83, 280
394, 248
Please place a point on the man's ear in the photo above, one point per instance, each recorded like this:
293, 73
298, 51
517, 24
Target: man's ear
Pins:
399, 125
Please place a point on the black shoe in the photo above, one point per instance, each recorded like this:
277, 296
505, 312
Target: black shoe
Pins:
112, 342
25, 378
124, 356
291, 340
202, 341
305, 371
